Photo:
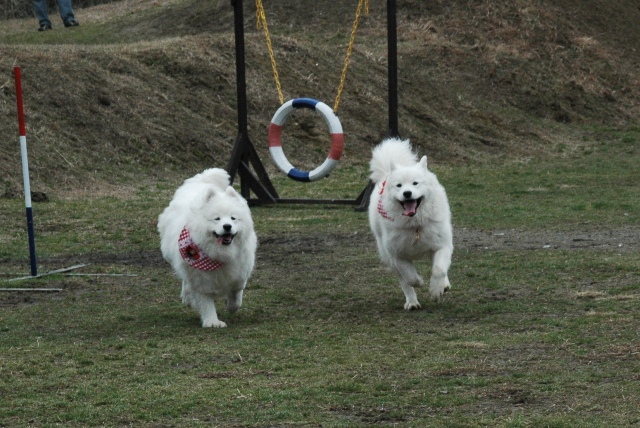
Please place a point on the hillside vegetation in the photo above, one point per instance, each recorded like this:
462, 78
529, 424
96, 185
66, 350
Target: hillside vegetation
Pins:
146, 89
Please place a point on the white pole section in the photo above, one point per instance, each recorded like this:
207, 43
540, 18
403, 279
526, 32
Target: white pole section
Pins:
25, 171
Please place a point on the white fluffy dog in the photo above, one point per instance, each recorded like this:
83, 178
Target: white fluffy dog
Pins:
207, 235
410, 218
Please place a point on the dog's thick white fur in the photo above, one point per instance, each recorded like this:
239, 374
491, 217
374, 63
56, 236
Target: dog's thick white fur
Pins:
410, 218
220, 224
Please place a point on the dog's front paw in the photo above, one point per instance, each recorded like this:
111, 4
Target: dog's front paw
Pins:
412, 306
232, 308
435, 296
214, 324
234, 301
437, 288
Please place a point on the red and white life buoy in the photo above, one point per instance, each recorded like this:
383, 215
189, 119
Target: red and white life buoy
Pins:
275, 139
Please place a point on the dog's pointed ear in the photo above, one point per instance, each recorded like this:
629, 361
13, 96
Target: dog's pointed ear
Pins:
209, 194
423, 161
197, 205
231, 192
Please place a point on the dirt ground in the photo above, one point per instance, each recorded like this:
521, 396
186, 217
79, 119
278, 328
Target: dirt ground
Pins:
273, 249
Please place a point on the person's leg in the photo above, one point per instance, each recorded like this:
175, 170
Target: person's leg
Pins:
66, 13
42, 14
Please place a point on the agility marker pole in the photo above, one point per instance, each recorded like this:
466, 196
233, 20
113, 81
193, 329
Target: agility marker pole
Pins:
25, 171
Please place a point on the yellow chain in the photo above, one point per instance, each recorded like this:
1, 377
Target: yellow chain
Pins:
261, 22
343, 76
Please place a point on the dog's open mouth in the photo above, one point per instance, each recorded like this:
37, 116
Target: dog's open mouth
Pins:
224, 239
410, 206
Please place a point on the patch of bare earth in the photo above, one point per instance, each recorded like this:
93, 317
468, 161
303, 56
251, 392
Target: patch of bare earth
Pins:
275, 248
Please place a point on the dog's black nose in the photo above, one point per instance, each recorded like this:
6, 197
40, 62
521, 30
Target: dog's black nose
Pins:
407, 194
227, 227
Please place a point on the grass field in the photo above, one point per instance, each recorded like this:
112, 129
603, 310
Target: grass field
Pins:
540, 329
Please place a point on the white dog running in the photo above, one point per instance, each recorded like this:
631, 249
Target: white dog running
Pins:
410, 218
207, 235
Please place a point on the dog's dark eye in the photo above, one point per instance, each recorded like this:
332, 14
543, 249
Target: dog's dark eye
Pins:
415, 183
233, 218
398, 185
217, 219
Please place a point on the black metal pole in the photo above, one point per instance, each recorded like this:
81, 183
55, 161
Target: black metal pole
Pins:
392, 53
241, 80
392, 79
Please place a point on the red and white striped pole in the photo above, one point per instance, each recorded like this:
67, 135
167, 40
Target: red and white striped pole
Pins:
25, 171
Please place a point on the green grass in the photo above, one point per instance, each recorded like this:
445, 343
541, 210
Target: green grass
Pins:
555, 193
525, 338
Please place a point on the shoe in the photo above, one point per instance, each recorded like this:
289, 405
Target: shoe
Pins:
71, 23
44, 27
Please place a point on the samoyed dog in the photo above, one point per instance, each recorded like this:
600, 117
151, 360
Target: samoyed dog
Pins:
207, 235
410, 218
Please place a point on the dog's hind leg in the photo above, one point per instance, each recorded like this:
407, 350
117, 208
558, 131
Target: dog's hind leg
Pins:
408, 273
439, 282
184, 294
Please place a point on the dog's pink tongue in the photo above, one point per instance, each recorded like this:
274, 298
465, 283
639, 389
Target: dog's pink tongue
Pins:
220, 239
409, 208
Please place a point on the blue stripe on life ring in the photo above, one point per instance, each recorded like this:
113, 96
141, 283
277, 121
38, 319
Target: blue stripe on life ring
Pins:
309, 103
298, 175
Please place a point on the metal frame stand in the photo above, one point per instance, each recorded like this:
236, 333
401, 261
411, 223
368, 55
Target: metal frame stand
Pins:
244, 155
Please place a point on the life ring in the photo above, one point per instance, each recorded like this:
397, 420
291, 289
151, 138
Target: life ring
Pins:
275, 139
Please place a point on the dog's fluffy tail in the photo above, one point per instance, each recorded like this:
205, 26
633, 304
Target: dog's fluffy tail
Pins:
217, 177
390, 153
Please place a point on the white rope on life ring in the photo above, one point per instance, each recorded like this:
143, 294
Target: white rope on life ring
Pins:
275, 139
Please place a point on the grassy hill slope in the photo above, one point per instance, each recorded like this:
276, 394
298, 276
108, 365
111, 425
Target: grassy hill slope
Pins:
146, 89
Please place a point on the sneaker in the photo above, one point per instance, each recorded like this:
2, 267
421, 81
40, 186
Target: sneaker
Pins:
44, 27
71, 23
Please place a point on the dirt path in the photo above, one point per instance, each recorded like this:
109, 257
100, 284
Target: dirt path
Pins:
275, 248
622, 239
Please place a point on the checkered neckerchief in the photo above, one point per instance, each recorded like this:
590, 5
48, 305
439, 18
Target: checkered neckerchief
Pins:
193, 255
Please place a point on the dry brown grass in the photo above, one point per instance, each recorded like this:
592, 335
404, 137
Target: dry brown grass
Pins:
479, 82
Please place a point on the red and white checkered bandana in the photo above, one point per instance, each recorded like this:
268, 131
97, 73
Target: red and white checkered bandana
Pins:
381, 209
193, 255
